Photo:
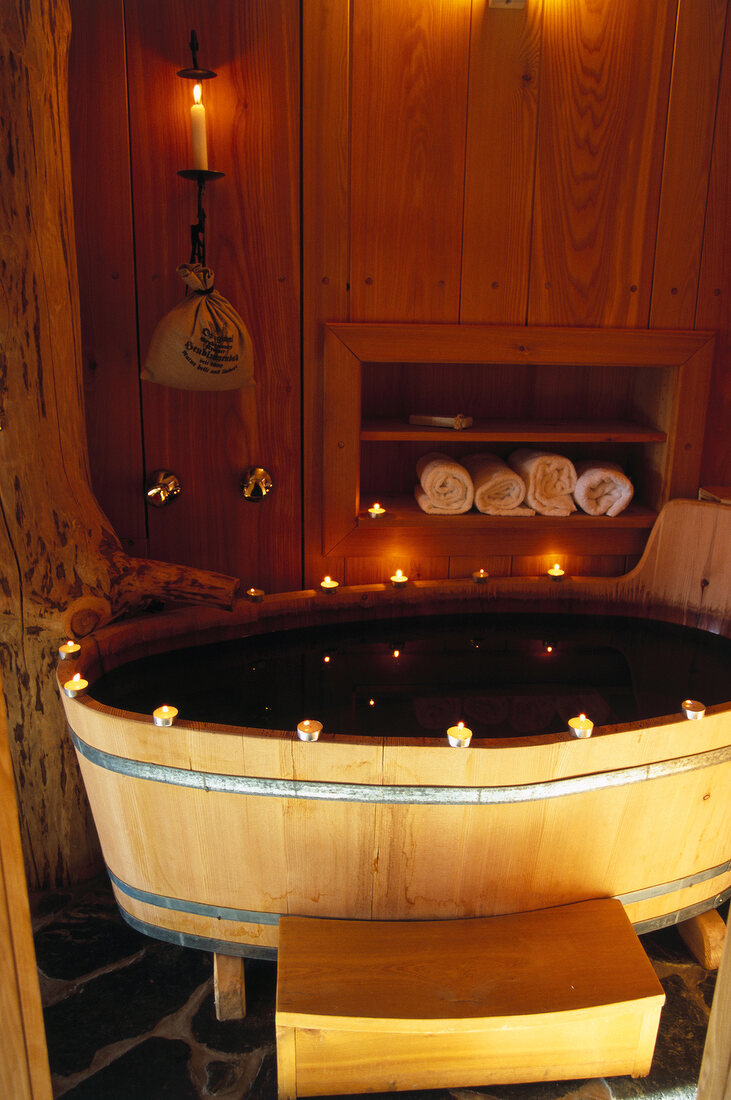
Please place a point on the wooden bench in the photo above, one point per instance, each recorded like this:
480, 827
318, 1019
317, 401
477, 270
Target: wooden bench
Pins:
387, 1005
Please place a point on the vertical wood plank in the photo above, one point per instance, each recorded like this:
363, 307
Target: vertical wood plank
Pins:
714, 1082
105, 253
229, 990
252, 232
691, 117
605, 70
714, 292
500, 162
409, 89
325, 238
24, 1072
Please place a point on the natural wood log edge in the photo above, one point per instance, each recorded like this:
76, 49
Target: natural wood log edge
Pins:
139, 580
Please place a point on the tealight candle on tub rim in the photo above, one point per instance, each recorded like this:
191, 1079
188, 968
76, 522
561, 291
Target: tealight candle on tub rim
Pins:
459, 736
480, 576
68, 650
256, 595
581, 726
693, 709
556, 572
77, 685
399, 580
327, 584
376, 510
164, 715
309, 729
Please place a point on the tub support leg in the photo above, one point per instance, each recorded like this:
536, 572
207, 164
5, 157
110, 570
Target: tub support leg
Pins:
228, 987
704, 937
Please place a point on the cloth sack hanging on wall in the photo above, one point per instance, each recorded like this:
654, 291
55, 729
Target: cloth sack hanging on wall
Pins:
202, 343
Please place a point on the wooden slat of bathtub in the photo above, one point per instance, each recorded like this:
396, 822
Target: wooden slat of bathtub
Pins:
196, 924
405, 862
465, 861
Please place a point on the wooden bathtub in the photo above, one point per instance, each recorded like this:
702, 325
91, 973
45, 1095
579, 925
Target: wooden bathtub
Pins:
210, 833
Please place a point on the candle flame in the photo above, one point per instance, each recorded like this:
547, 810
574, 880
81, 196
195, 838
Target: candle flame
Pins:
582, 717
376, 505
326, 580
397, 652
399, 573
556, 565
197, 92
460, 725
75, 678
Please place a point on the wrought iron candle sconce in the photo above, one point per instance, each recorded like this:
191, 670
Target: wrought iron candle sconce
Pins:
200, 173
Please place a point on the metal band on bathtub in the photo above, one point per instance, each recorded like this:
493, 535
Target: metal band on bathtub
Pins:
371, 792
200, 908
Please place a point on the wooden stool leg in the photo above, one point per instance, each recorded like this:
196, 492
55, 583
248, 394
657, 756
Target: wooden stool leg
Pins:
286, 1065
704, 937
228, 987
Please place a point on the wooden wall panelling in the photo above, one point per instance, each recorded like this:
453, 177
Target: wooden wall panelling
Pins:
605, 71
714, 290
409, 103
24, 1073
252, 244
105, 253
500, 162
325, 238
689, 141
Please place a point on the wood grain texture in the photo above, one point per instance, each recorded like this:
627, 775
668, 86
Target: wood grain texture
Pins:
252, 235
325, 238
714, 1082
408, 119
714, 291
500, 162
605, 72
105, 250
229, 991
687, 159
547, 985
704, 936
24, 1071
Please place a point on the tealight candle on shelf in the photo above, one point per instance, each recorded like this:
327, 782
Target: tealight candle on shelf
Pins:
581, 726
77, 685
693, 709
398, 580
327, 584
459, 736
309, 729
164, 715
69, 649
480, 576
256, 595
556, 572
376, 510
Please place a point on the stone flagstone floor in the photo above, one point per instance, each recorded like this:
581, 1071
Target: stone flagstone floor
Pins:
131, 1018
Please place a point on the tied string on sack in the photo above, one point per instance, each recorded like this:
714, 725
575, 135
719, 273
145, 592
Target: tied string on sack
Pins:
202, 343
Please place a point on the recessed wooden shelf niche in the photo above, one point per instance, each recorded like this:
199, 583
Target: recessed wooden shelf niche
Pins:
637, 396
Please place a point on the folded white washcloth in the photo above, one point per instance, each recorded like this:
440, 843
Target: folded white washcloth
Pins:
602, 488
499, 491
550, 479
445, 487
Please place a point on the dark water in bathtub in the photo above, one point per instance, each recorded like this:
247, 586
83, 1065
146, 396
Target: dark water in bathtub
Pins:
503, 676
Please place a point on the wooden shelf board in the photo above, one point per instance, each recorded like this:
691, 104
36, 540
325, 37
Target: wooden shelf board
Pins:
405, 529
517, 431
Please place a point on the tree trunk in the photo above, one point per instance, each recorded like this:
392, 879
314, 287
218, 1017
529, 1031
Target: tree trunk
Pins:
62, 567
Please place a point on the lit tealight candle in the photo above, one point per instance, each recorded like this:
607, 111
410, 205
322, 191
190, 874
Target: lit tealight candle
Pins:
327, 584
69, 649
555, 572
693, 709
256, 595
398, 580
77, 685
198, 125
376, 510
459, 736
308, 729
164, 716
581, 726
480, 576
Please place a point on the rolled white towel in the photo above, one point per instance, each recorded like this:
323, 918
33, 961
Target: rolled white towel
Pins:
549, 479
499, 491
445, 487
602, 488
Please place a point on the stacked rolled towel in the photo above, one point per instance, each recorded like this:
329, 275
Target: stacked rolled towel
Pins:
602, 488
445, 487
550, 479
499, 491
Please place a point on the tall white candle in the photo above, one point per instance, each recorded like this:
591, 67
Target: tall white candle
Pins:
198, 123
